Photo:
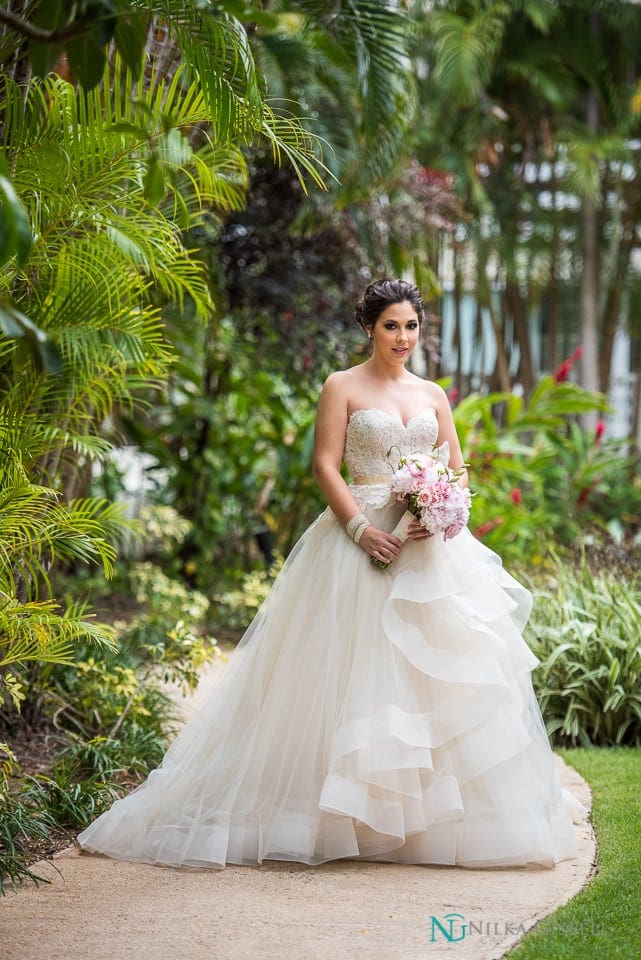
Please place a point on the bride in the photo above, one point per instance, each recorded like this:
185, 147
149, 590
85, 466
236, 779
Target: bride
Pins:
367, 713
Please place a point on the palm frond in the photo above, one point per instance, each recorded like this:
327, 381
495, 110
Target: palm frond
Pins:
38, 630
585, 158
466, 49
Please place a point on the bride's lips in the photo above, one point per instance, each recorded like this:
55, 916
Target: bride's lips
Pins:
399, 350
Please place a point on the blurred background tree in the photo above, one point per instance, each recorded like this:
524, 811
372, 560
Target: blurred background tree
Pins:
535, 109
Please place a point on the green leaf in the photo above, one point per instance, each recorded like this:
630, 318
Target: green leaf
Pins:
50, 359
154, 182
43, 57
248, 13
50, 15
17, 326
15, 230
87, 59
124, 126
9, 326
105, 21
130, 36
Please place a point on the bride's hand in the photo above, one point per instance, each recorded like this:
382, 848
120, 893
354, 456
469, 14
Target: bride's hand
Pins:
380, 545
416, 531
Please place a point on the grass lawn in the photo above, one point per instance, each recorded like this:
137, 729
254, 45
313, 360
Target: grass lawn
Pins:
603, 921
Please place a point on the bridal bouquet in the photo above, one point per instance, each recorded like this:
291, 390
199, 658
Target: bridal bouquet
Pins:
432, 494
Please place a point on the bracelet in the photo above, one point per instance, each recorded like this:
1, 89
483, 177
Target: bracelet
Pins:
356, 526
361, 530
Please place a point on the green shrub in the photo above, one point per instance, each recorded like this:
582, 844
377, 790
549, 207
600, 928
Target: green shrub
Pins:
165, 602
95, 697
585, 629
21, 822
163, 529
37, 529
68, 797
539, 477
237, 607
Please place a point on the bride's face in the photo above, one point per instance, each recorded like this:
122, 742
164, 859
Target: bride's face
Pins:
395, 333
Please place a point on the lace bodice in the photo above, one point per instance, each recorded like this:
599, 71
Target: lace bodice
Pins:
371, 433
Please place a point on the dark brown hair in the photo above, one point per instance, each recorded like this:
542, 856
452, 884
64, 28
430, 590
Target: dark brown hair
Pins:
383, 293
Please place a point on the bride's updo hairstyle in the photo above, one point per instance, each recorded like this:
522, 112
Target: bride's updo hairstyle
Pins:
381, 294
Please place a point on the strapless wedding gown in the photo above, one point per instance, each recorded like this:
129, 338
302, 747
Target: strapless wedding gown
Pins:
367, 714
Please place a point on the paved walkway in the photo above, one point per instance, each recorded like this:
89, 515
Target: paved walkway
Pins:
100, 909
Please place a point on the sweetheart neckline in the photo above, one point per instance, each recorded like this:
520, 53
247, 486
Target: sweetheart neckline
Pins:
391, 416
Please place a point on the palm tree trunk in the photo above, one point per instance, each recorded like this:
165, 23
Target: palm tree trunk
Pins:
612, 312
590, 284
554, 278
456, 340
635, 432
501, 375
502, 364
515, 305
589, 305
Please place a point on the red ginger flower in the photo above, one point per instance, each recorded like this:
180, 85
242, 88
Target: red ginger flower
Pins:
599, 431
486, 527
562, 372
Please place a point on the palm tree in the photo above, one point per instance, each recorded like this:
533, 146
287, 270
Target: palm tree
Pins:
347, 65
539, 86
102, 184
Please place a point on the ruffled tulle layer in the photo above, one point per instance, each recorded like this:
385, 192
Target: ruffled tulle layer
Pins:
367, 714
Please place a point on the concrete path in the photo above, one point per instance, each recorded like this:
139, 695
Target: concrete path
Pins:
100, 909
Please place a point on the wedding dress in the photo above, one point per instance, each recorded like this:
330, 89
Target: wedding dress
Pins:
366, 714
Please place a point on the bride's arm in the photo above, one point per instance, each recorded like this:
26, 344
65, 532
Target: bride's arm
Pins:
447, 432
329, 443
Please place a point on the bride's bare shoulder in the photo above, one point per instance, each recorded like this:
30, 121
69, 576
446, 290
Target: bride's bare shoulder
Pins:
435, 389
435, 395
334, 403
428, 390
341, 381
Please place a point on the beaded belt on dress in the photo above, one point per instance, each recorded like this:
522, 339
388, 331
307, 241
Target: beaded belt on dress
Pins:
372, 481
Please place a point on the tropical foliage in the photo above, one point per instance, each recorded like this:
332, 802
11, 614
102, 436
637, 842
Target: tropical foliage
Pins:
109, 712
539, 478
102, 183
585, 630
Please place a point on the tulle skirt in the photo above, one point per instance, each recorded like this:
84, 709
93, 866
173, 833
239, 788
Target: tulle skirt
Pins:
366, 714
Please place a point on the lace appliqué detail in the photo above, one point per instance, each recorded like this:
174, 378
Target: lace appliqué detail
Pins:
370, 435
